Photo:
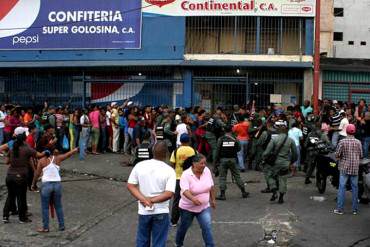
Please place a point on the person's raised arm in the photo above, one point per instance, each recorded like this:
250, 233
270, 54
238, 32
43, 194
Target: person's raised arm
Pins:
65, 156
4, 147
39, 155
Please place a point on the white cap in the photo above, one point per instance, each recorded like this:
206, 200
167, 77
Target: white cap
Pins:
129, 103
177, 117
335, 102
341, 111
113, 104
21, 130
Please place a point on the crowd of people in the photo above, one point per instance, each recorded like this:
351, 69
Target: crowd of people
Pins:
275, 140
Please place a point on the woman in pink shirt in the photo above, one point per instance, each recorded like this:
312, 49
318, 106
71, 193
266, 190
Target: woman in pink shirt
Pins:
95, 130
197, 195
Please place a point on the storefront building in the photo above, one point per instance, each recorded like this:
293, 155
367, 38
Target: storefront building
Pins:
181, 53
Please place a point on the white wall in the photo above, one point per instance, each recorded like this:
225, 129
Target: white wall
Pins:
355, 25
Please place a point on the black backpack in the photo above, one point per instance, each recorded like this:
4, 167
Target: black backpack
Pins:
189, 160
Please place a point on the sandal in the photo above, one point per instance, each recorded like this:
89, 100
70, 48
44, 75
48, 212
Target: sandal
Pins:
42, 230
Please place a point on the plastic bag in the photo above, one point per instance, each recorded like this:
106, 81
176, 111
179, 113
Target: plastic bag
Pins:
65, 143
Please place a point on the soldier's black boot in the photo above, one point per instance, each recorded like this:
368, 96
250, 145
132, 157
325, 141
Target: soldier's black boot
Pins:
222, 196
307, 181
244, 193
267, 190
281, 198
274, 195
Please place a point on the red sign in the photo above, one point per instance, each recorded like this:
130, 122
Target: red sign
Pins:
306, 9
6, 6
160, 3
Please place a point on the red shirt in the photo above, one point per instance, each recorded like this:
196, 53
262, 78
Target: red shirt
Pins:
31, 141
241, 130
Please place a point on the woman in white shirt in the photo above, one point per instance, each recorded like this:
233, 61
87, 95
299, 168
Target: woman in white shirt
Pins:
51, 188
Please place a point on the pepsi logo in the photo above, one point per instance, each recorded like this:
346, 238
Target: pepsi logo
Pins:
16, 16
160, 3
307, 9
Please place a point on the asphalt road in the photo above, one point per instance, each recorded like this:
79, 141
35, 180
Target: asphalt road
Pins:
100, 212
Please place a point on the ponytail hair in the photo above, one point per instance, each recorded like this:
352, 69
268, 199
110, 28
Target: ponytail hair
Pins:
19, 141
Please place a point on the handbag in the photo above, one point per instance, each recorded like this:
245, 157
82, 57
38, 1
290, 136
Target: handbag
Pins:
271, 158
65, 143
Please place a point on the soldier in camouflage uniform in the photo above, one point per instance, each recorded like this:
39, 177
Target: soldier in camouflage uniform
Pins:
226, 153
214, 128
279, 171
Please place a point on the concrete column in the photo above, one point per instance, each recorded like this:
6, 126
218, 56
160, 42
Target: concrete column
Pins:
309, 36
188, 88
258, 35
320, 86
307, 84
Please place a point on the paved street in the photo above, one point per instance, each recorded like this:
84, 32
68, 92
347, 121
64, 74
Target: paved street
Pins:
100, 212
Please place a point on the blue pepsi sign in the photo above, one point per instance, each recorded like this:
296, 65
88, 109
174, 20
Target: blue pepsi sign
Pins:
70, 24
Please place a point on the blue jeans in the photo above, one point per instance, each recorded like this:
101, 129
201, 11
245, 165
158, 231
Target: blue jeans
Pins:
153, 227
51, 190
83, 142
298, 162
334, 138
205, 222
242, 153
366, 146
342, 191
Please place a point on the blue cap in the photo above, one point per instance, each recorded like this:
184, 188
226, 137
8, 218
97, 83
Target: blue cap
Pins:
184, 138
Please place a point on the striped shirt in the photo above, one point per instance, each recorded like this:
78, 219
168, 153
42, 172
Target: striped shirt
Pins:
335, 120
349, 151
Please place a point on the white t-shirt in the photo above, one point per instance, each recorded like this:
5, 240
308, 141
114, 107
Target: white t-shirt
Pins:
295, 134
343, 126
181, 129
2, 117
153, 178
108, 115
84, 119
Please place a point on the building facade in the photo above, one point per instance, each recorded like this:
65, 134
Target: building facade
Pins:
202, 58
345, 50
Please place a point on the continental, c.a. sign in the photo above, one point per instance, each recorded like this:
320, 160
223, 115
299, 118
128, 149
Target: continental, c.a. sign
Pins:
70, 24
304, 8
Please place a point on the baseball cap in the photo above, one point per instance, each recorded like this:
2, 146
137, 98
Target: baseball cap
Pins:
280, 124
20, 131
351, 129
113, 104
184, 138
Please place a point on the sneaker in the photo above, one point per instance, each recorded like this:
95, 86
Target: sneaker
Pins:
25, 221
339, 212
62, 228
354, 212
173, 225
5, 220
